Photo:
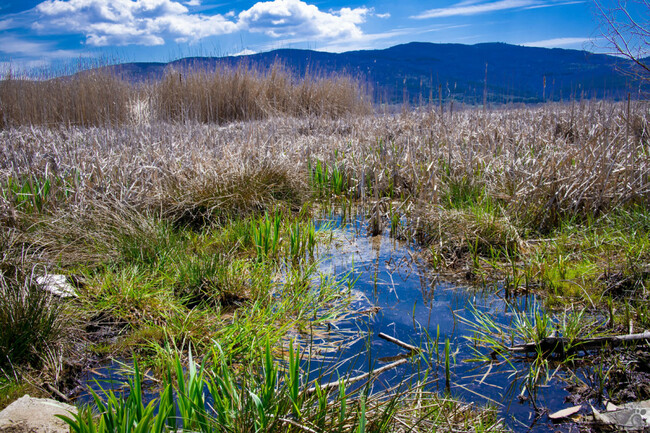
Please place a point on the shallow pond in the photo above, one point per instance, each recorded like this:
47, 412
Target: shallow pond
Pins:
416, 307
400, 296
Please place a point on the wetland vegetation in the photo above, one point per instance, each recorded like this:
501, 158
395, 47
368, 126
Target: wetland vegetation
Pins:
192, 235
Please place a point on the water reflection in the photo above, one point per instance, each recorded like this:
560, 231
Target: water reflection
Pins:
414, 306
399, 296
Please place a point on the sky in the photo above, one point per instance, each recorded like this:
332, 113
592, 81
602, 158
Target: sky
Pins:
62, 33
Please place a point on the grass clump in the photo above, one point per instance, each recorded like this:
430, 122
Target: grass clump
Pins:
32, 322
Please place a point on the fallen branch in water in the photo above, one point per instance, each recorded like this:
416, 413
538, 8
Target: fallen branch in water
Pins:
335, 384
400, 343
560, 344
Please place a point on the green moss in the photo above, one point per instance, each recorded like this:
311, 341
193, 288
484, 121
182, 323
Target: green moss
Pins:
11, 390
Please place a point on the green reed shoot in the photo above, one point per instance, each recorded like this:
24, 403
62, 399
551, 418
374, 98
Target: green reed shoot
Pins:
447, 368
266, 235
302, 240
125, 415
294, 379
328, 180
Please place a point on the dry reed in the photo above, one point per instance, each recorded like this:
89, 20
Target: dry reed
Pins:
101, 97
88, 99
522, 161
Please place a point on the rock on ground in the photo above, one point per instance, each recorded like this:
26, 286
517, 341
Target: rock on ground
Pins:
35, 415
57, 285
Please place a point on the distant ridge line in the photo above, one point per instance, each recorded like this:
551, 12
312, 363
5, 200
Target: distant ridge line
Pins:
423, 72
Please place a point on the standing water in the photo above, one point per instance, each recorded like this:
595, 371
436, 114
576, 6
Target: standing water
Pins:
405, 300
395, 293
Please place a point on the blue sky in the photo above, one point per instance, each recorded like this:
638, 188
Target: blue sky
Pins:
54, 32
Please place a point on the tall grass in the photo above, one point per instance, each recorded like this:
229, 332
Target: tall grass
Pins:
31, 323
102, 97
242, 93
270, 396
86, 99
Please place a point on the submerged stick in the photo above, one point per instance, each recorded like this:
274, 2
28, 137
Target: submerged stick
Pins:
58, 393
557, 344
400, 343
295, 424
335, 384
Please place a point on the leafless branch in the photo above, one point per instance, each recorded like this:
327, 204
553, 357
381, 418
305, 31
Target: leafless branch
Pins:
625, 27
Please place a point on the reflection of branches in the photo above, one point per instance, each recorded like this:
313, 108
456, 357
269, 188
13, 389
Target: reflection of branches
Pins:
626, 29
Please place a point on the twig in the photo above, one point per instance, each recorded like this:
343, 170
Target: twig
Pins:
58, 393
400, 343
557, 344
335, 384
295, 424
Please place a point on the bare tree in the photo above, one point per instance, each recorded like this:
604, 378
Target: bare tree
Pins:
625, 28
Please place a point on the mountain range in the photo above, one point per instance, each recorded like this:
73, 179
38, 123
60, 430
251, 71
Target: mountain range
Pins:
425, 72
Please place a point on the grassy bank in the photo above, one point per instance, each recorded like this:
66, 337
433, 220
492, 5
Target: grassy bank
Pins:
180, 235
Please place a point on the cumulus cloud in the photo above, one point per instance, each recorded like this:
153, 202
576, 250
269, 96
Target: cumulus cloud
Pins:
283, 18
153, 22
124, 22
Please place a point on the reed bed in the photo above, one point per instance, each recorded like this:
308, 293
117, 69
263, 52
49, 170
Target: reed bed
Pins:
103, 97
231, 94
476, 183
539, 165
93, 98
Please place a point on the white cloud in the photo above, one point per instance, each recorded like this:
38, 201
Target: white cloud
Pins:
475, 7
6, 24
282, 18
368, 41
470, 8
548, 5
244, 52
25, 55
123, 22
13, 45
153, 22
386, 15
557, 42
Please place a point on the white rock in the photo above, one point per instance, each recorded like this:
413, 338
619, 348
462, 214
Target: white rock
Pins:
35, 415
629, 418
57, 285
